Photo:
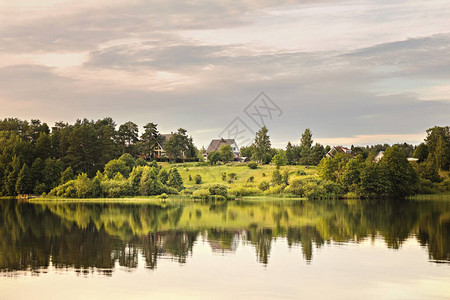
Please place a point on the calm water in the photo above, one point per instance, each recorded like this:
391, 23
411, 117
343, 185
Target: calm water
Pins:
235, 250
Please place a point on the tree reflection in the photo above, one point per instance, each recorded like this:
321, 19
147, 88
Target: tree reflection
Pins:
98, 236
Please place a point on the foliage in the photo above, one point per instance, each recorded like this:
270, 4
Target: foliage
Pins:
198, 179
213, 157
175, 180
279, 159
262, 146
226, 153
252, 165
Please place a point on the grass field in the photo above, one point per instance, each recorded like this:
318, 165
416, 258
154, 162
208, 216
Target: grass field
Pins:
213, 174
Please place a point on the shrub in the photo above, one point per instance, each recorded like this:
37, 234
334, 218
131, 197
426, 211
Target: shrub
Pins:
244, 191
252, 165
224, 176
277, 179
275, 190
162, 196
301, 172
201, 194
190, 177
264, 185
232, 176
141, 162
251, 179
218, 189
116, 188
198, 179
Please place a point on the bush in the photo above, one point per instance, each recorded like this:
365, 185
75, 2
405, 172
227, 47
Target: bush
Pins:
218, 189
141, 162
275, 190
252, 165
244, 191
162, 196
301, 172
251, 179
264, 185
116, 188
198, 179
201, 194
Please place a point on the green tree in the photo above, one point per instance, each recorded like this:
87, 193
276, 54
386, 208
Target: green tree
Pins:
262, 146
67, 175
438, 142
213, 157
175, 180
279, 159
398, 172
177, 146
116, 166
150, 139
305, 147
128, 135
43, 146
421, 152
36, 171
24, 184
277, 178
150, 183
226, 153
290, 154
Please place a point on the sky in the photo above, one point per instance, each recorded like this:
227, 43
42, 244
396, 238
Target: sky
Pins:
354, 72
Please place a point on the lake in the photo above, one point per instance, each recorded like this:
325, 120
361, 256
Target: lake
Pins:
261, 249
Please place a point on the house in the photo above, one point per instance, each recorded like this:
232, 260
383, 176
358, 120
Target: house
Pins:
338, 149
159, 149
216, 144
379, 156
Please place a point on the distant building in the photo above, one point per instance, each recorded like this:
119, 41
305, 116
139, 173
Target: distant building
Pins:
338, 149
216, 144
379, 156
159, 150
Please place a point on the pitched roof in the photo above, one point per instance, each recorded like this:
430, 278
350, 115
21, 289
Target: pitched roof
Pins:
216, 144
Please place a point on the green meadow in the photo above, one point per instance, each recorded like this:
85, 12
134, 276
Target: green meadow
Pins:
214, 174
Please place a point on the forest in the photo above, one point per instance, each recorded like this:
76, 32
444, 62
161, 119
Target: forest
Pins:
90, 159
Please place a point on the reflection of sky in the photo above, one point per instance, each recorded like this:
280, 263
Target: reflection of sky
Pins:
368, 270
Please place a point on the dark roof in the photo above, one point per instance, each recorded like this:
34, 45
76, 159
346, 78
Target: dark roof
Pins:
216, 144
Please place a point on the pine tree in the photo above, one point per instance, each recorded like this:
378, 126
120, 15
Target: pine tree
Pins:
175, 180
24, 184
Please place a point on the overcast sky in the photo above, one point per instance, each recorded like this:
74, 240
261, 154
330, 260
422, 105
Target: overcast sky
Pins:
355, 72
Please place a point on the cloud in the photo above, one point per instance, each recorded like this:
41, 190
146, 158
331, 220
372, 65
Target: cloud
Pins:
358, 70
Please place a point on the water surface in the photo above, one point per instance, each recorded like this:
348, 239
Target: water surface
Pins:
240, 250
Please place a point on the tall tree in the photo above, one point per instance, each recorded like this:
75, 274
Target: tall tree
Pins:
177, 146
150, 139
262, 146
305, 146
128, 136
24, 184
438, 142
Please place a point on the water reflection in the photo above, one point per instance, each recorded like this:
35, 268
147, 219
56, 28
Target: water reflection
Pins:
86, 236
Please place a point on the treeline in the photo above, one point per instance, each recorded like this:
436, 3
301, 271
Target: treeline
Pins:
393, 175
41, 154
307, 152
